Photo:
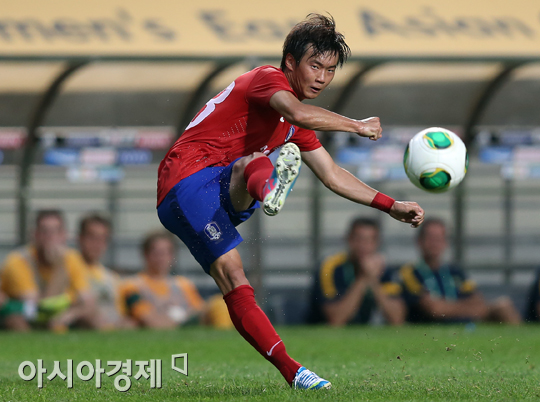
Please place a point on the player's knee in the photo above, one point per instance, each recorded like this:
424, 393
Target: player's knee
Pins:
236, 277
231, 273
243, 162
254, 155
228, 275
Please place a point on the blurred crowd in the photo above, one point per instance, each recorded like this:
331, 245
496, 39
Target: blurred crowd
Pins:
48, 285
356, 286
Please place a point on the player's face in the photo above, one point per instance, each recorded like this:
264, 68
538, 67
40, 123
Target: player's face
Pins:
363, 242
94, 241
313, 74
160, 256
433, 242
50, 233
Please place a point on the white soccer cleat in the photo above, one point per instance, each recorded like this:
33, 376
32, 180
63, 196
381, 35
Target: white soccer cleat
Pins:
306, 379
280, 184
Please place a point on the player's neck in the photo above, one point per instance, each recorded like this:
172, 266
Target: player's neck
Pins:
292, 82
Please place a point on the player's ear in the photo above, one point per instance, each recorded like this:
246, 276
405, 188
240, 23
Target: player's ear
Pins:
290, 62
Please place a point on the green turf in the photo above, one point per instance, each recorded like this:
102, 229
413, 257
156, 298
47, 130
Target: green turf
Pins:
492, 363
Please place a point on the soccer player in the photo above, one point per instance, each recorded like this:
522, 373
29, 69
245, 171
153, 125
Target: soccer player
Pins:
350, 286
440, 292
217, 172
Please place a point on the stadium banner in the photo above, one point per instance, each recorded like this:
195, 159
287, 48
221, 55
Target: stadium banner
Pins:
154, 138
93, 174
12, 138
213, 28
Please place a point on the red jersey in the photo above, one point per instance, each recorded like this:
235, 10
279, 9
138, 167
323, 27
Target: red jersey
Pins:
237, 122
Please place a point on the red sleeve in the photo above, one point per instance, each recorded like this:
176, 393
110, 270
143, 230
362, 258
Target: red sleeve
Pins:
306, 140
266, 83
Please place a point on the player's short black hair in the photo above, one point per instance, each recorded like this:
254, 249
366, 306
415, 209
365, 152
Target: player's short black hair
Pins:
427, 222
93, 217
152, 237
362, 221
317, 32
46, 213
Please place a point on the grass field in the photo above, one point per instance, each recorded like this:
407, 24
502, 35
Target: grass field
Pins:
445, 363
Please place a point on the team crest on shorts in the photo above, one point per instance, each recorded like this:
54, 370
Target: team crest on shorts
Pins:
213, 231
290, 133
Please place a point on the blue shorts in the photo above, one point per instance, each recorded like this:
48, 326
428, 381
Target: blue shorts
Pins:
199, 211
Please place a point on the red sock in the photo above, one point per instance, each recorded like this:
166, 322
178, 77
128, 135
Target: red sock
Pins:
256, 174
256, 328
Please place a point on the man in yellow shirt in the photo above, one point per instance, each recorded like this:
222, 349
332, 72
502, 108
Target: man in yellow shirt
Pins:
155, 298
94, 234
46, 280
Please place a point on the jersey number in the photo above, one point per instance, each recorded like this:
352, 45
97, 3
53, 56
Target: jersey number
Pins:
211, 106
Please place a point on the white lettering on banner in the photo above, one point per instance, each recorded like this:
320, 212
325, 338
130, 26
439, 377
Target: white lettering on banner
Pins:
211, 105
98, 156
154, 139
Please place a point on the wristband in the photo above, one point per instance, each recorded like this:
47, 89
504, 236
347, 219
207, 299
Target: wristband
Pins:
382, 202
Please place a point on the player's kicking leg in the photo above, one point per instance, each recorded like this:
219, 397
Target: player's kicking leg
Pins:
255, 178
253, 324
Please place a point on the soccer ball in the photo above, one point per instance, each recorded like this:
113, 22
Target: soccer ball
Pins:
436, 160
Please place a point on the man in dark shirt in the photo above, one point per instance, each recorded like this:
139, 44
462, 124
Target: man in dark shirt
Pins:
349, 287
439, 292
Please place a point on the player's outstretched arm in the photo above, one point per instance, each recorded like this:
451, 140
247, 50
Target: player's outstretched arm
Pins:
346, 185
319, 119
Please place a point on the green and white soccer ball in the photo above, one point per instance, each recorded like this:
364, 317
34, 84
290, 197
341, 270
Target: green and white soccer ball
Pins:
436, 160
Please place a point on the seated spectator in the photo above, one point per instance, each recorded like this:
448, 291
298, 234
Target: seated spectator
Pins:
533, 303
94, 233
440, 292
45, 281
155, 298
350, 286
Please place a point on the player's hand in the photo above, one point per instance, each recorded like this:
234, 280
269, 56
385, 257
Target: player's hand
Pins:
407, 212
370, 128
